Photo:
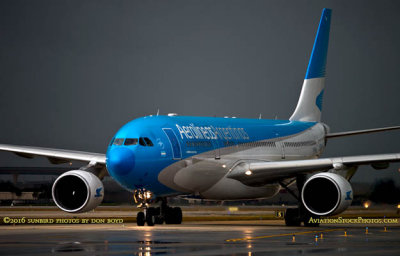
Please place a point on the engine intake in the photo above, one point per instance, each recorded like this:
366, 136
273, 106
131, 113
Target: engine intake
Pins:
326, 194
77, 191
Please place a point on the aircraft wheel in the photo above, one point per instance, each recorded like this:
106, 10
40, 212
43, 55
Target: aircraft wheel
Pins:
140, 219
177, 215
292, 217
150, 217
169, 216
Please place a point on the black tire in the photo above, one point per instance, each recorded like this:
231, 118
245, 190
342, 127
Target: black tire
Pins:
292, 217
150, 217
169, 216
157, 211
140, 219
177, 215
156, 217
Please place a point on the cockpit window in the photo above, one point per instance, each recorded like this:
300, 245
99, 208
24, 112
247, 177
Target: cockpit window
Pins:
112, 141
148, 141
129, 142
118, 142
142, 142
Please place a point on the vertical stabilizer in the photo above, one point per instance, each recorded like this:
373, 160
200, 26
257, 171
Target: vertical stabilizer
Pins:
309, 106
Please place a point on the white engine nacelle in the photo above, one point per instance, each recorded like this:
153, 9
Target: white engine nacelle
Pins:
326, 194
77, 191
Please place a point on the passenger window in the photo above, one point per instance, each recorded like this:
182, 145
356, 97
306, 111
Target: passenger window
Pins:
129, 142
148, 141
142, 142
118, 142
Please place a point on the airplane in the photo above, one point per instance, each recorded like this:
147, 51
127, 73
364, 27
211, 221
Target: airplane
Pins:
157, 157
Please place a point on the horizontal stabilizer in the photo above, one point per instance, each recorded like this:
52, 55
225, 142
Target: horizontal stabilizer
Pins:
350, 133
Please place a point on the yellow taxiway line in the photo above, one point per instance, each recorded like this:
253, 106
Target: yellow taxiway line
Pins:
280, 235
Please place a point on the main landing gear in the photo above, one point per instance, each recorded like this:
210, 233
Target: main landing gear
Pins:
155, 215
295, 216
298, 215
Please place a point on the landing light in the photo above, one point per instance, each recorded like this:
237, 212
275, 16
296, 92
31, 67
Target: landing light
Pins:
248, 173
398, 206
223, 166
147, 194
366, 204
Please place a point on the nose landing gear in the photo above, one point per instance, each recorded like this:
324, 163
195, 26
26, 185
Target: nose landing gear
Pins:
155, 215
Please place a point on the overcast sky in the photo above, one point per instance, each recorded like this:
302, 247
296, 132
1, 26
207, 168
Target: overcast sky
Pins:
73, 72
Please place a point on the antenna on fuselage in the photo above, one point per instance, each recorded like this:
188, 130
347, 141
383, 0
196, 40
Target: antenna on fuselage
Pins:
259, 117
158, 111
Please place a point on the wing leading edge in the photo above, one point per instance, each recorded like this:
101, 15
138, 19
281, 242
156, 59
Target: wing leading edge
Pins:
55, 156
263, 172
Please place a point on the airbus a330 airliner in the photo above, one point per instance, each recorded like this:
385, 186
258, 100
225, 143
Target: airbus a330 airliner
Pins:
157, 157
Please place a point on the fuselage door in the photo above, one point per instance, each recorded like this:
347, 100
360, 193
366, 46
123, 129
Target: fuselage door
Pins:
176, 147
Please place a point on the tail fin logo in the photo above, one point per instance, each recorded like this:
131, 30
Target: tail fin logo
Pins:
309, 106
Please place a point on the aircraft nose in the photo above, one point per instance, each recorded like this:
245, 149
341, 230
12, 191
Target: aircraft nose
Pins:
120, 161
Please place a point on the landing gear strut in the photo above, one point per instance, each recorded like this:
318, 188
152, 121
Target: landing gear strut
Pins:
155, 215
295, 216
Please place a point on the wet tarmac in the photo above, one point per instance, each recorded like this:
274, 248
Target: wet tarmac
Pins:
268, 237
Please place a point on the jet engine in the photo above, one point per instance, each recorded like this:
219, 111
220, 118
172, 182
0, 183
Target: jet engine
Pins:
326, 194
77, 191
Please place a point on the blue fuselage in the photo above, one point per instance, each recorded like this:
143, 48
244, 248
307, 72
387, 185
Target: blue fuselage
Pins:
144, 147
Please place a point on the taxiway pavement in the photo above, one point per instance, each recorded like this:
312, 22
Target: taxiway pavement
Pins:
266, 237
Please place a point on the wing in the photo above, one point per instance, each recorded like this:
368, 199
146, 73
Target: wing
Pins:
264, 172
33, 170
55, 156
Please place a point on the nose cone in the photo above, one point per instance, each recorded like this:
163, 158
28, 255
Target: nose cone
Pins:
120, 161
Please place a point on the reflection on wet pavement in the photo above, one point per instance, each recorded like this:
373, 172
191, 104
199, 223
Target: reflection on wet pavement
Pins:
217, 238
